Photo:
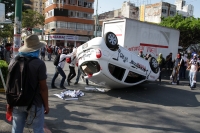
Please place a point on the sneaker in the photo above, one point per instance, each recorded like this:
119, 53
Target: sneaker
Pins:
68, 82
53, 86
174, 83
62, 87
75, 83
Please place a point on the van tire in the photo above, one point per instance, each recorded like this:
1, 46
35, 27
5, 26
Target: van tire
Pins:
153, 64
111, 40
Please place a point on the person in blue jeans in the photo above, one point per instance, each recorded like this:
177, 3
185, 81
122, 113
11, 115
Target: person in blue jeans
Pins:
59, 69
34, 117
78, 77
193, 71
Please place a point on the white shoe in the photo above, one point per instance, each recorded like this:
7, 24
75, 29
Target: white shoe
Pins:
174, 83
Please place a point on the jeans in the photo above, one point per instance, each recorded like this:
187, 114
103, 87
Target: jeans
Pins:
49, 56
192, 78
60, 71
78, 76
20, 115
72, 73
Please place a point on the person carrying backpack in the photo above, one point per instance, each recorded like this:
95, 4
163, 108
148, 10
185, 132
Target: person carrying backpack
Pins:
26, 88
59, 68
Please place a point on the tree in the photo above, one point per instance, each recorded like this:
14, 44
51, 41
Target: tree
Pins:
189, 29
32, 19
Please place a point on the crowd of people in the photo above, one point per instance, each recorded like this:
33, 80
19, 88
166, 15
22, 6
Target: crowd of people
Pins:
177, 67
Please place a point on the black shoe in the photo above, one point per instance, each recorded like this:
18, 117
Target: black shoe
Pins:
53, 86
68, 82
75, 83
62, 87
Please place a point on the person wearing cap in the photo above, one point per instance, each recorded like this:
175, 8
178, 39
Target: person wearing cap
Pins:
31, 48
193, 65
59, 69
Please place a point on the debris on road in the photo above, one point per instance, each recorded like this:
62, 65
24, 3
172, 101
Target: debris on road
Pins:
72, 94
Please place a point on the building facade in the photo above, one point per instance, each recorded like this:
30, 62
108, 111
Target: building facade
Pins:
68, 22
154, 12
183, 9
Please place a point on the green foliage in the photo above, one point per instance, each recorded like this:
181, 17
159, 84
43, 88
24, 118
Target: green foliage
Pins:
7, 31
4, 70
189, 29
32, 18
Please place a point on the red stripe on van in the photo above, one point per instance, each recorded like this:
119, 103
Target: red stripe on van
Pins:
153, 45
118, 34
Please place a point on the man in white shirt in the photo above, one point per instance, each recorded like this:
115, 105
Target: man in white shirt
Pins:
193, 71
59, 69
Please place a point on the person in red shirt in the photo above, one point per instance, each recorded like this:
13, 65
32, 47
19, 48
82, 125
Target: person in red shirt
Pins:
49, 51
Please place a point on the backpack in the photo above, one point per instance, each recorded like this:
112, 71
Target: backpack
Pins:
56, 60
19, 91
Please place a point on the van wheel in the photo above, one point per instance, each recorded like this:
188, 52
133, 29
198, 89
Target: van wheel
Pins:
153, 64
111, 40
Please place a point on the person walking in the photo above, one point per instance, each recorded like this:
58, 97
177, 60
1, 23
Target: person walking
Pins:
72, 72
161, 63
49, 52
59, 69
193, 65
38, 78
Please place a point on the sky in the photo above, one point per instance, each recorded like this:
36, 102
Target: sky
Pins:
109, 5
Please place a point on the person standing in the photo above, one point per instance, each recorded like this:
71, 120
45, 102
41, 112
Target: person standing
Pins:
161, 63
49, 52
42, 53
193, 64
169, 62
40, 104
175, 72
7, 52
59, 69
72, 72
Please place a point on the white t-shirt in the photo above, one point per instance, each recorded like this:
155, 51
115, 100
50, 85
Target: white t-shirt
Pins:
63, 56
194, 65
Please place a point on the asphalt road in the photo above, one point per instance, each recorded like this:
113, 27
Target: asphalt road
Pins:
147, 108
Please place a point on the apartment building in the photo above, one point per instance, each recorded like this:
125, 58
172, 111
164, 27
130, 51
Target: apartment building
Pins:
68, 22
36, 5
154, 12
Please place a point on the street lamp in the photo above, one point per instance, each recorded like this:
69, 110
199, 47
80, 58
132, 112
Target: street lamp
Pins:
96, 23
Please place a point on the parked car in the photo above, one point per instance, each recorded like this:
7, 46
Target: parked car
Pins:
104, 62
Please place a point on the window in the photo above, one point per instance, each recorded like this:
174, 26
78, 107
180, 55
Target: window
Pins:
164, 11
116, 71
79, 26
85, 15
171, 12
72, 13
134, 77
71, 25
80, 3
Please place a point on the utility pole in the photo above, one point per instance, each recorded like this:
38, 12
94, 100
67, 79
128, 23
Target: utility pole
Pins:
17, 26
96, 21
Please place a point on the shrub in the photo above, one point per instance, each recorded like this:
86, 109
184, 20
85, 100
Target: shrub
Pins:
4, 70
